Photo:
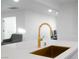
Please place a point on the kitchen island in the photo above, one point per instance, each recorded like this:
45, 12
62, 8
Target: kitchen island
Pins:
22, 50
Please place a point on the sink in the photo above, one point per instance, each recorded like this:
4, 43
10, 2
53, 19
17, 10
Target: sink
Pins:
50, 51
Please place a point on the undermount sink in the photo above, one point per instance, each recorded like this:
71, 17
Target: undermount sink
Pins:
50, 51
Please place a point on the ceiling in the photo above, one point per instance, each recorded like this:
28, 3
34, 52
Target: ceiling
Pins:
31, 4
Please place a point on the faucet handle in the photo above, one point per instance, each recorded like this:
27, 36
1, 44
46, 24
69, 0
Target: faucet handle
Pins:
44, 43
42, 38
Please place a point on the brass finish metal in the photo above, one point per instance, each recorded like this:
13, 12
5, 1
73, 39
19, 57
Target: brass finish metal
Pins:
39, 39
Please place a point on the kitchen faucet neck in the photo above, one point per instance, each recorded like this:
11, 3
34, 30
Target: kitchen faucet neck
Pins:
39, 38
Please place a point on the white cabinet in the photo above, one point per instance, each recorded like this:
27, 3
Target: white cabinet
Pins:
8, 51
4, 53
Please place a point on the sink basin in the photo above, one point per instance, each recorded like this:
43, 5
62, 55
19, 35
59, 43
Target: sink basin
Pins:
50, 51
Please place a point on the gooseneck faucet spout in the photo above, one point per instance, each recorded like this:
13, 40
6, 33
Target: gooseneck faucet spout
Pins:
39, 37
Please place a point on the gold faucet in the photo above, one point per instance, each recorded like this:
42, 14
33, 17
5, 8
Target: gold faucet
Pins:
39, 38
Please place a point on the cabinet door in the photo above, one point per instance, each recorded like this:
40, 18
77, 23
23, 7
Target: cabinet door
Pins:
4, 53
8, 51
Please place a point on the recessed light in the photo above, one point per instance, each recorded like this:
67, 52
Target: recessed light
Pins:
50, 10
16, 0
57, 13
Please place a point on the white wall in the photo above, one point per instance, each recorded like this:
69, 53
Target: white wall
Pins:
30, 21
33, 21
20, 19
67, 22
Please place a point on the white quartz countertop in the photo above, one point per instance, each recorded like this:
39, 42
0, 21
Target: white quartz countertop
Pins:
22, 50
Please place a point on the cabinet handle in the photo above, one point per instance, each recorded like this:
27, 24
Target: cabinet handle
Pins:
4, 57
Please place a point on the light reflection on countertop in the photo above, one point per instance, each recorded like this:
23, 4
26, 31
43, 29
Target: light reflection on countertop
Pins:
22, 50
